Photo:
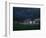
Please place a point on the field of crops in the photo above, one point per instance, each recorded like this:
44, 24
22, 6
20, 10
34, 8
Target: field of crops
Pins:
26, 27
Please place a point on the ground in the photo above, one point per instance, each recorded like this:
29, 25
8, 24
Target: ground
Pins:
26, 27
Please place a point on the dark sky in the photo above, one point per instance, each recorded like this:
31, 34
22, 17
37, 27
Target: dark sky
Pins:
21, 13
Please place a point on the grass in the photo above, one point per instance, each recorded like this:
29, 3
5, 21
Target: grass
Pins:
26, 27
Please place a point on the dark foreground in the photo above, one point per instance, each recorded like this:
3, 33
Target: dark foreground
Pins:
26, 27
